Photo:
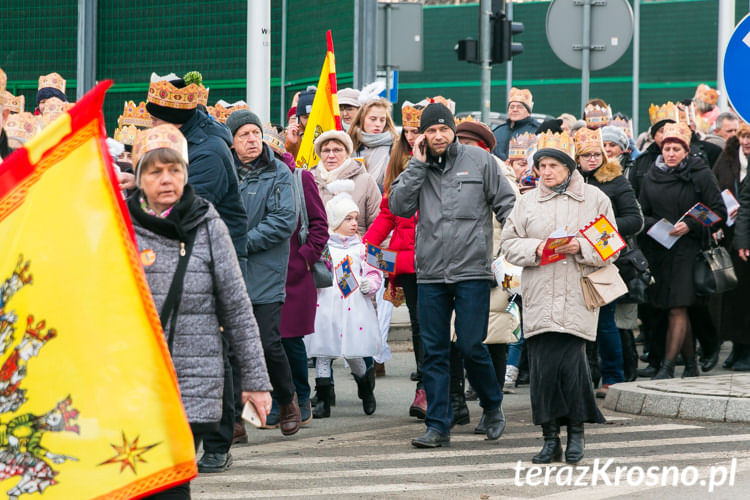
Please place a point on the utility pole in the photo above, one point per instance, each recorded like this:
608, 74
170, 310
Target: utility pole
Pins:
258, 66
86, 55
485, 10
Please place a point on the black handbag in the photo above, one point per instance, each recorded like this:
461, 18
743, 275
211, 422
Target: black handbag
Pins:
633, 267
322, 272
713, 271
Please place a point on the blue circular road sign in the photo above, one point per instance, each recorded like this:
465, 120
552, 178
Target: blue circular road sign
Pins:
737, 69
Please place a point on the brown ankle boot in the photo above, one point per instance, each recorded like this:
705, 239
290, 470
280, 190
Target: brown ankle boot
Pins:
290, 417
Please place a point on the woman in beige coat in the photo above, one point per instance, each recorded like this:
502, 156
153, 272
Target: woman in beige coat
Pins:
337, 172
556, 321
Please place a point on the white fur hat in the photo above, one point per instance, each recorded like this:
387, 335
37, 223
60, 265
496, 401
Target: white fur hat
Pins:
334, 135
342, 203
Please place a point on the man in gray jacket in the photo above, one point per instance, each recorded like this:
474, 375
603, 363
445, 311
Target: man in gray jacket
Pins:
456, 189
266, 190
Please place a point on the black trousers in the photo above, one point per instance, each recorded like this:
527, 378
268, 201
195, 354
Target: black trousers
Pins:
268, 317
409, 283
181, 491
220, 441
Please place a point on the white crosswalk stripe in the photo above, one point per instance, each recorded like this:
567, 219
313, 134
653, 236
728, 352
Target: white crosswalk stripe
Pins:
380, 462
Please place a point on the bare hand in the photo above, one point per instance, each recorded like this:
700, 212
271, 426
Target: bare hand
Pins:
292, 133
679, 229
571, 248
417, 150
744, 253
261, 401
126, 180
540, 249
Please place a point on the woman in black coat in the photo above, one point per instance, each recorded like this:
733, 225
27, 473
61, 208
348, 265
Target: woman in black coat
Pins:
671, 187
606, 174
735, 321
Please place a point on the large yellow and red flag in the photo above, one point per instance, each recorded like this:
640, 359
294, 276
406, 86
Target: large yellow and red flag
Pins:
89, 402
325, 114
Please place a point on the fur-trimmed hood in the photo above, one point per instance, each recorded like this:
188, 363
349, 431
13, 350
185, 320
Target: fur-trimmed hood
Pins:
608, 172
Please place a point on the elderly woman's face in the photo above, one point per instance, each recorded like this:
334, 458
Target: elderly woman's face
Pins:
613, 150
520, 167
332, 154
162, 184
552, 172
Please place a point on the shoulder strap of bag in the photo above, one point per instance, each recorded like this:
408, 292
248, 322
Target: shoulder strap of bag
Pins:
302, 206
171, 305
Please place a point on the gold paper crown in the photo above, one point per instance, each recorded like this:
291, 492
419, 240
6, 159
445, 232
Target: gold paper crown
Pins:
588, 141
222, 112
135, 115
521, 146
597, 116
164, 136
3, 82
560, 141
449, 103
54, 107
165, 94
203, 95
20, 127
521, 95
410, 115
666, 111
126, 134
706, 94
53, 80
274, 139
622, 123
679, 132
12, 103
467, 118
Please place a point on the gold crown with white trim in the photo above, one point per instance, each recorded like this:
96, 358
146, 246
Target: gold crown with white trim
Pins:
410, 115
3, 83
666, 111
622, 123
12, 103
588, 141
597, 116
274, 139
164, 136
203, 95
53, 80
560, 141
133, 114
521, 146
163, 93
126, 134
706, 94
20, 127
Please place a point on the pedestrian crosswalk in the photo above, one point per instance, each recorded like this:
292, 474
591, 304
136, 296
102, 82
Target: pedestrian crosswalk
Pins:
376, 463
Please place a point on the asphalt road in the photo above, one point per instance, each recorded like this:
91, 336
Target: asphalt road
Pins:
351, 455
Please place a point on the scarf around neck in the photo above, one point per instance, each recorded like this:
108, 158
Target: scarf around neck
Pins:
662, 165
183, 216
560, 188
376, 140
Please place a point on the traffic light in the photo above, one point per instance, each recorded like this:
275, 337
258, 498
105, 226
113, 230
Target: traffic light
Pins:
503, 47
467, 50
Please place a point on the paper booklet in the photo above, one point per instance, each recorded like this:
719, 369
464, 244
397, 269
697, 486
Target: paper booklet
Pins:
731, 203
555, 240
345, 279
385, 260
703, 214
660, 232
603, 237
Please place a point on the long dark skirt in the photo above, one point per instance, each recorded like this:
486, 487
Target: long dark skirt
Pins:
560, 380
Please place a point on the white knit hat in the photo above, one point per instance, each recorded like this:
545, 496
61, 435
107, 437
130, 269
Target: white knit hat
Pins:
342, 203
334, 135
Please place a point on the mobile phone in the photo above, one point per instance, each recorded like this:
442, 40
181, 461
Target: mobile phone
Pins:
422, 147
250, 415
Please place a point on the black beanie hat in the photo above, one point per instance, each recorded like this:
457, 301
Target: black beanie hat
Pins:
553, 125
305, 102
434, 114
658, 125
243, 117
49, 92
171, 115
558, 155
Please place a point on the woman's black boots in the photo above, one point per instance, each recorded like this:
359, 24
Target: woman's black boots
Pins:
666, 370
366, 390
691, 367
551, 449
574, 449
323, 388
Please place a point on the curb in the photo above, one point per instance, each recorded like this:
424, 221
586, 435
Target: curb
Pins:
631, 397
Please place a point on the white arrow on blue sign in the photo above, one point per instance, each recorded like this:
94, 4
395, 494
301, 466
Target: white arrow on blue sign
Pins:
737, 69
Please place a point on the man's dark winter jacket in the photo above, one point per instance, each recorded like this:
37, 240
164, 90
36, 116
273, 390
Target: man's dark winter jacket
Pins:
269, 201
212, 175
505, 132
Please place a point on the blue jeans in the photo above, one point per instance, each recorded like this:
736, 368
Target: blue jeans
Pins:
610, 346
514, 351
297, 356
471, 301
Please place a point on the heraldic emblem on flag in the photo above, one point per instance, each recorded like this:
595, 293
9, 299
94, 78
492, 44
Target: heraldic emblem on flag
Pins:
89, 402
345, 280
604, 237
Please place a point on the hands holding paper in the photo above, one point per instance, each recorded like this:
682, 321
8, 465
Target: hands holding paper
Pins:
570, 248
679, 229
744, 253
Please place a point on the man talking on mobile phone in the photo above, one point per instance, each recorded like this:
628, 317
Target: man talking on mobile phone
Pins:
456, 189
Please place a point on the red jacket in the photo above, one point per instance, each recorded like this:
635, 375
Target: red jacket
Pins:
402, 239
